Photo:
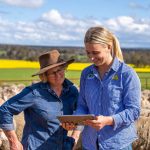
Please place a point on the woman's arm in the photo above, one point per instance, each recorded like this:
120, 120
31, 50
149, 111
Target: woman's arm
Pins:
131, 99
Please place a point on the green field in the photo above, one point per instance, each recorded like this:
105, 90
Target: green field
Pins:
24, 76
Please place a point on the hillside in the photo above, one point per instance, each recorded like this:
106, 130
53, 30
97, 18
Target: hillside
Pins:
137, 56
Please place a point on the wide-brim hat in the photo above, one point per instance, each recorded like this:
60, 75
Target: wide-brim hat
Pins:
50, 60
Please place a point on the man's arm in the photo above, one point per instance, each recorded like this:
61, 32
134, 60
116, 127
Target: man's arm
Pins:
13, 140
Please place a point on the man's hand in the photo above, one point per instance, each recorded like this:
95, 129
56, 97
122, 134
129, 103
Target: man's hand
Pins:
15, 145
13, 140
75, 135
68, 126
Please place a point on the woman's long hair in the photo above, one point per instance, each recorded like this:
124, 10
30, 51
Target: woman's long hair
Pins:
100, 35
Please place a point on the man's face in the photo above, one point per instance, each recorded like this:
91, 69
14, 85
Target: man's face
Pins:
56, 75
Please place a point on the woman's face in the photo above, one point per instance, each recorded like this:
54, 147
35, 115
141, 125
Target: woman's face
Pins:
56, 76
99, 54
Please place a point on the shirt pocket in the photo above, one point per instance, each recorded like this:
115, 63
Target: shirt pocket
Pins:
115, 99
115, 93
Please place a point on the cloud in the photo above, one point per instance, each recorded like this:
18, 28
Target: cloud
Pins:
131, 31
128, 24
53, 16
67, 24
24, 3
55, 28
56, 18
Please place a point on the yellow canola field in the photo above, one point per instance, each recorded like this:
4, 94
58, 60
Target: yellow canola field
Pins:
4, 64
78, 66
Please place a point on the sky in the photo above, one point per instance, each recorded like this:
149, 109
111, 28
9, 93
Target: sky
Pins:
64, 22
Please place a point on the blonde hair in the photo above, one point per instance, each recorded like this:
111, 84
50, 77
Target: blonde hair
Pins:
100, 35
43, 77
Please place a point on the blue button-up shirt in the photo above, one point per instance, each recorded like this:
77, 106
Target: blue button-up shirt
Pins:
41, 106
116, 95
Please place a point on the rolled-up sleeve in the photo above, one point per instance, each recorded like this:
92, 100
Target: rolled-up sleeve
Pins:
131, 100
14, 106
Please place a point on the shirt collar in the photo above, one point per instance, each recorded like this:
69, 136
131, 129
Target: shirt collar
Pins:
66, 85
94, 71
115, 65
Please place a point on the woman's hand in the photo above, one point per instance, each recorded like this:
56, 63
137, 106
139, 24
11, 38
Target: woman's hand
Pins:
99, 122
68, 126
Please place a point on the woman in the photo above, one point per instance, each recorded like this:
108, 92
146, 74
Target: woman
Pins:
42, 103
110, 90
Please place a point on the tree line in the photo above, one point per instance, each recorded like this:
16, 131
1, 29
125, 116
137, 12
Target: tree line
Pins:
138, 57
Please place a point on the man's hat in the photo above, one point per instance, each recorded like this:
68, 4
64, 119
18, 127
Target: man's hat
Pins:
50, 60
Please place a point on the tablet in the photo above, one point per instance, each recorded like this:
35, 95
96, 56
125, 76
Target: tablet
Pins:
76, 119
